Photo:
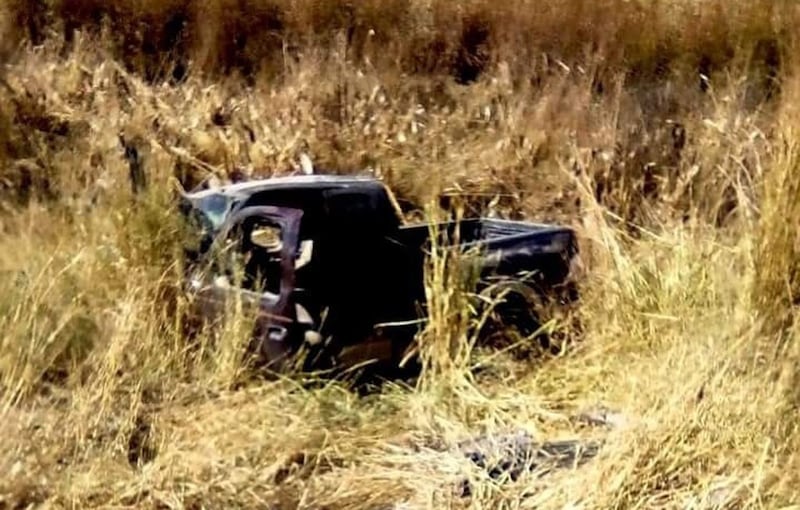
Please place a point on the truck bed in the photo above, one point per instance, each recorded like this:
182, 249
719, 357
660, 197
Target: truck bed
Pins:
505, 247
475, 231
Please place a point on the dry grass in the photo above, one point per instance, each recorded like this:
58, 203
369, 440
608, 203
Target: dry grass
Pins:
683, 188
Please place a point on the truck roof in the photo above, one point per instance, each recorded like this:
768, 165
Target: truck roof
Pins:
292, 181
215, 204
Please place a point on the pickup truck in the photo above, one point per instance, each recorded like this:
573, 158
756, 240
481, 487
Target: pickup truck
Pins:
327, 263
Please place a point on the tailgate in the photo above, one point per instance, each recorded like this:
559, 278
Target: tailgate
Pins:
516, 248
495, 236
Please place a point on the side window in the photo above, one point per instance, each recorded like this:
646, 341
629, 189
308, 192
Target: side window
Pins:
251, 256
351, 212
263, 245
364, 211
309, 201
267, 238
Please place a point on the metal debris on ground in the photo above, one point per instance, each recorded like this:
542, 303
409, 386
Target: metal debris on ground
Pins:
507, 457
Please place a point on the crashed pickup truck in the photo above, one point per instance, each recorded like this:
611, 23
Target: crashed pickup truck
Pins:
329, 267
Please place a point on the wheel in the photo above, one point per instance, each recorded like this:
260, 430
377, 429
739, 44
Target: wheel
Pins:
513, 312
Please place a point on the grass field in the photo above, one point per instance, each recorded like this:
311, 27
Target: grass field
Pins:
665, 132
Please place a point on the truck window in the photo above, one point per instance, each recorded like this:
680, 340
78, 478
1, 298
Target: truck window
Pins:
364, 211
262, 256
251, 256
214, 209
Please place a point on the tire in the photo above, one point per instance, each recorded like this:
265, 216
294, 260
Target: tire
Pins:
516, 309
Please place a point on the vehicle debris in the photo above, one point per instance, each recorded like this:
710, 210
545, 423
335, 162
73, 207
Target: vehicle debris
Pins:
507, 457
330, 268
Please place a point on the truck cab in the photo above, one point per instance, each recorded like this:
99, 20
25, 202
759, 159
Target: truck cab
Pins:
329, 247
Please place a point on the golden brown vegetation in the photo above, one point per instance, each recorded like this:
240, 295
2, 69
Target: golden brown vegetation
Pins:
665, 132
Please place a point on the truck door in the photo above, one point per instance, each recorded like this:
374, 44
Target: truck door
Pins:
361, 280
263, 243
351, 241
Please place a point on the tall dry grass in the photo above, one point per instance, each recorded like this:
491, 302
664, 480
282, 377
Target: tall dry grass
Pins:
664, 132
459, 38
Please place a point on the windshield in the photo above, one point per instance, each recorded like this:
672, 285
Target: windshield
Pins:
215, 209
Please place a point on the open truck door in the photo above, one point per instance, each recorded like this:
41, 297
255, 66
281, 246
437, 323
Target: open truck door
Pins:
253, 260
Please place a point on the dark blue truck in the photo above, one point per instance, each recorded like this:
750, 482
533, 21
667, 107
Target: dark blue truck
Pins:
327, 264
